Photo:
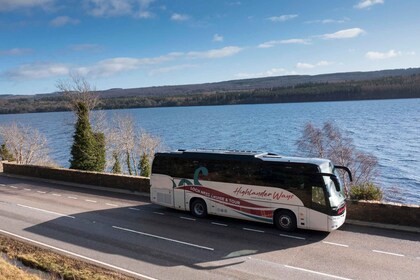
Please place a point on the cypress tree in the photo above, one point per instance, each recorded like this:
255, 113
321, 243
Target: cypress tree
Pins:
116, 168
144, 166
84, 150
5, 154
100, 151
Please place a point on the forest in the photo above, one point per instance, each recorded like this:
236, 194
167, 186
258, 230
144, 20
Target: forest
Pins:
393, 87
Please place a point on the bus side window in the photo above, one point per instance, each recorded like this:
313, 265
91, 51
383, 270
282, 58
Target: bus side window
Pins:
318, 197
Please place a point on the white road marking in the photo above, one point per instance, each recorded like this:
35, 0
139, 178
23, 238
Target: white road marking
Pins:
336, 244
219, 224
110, 204
254, 230
40, 192
134, 209
388, 253
159, 213
292, 236
56, 194
46, 211
79, 256
187, 218
92, 201
27, 189
316, 272
72, 197
164, 238
13, 187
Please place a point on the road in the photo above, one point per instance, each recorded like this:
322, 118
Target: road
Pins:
127, 233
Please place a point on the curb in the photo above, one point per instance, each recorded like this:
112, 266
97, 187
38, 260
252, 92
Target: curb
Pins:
76, 185
382, 226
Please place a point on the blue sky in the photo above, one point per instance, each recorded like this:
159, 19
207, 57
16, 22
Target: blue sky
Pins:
139, 43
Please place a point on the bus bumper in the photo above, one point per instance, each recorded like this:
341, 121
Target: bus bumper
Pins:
335, 222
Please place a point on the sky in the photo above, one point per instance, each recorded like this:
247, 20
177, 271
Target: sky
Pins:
141, 43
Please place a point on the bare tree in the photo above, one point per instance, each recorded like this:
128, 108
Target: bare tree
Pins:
126, 143
27, 145
329, 142
78, 91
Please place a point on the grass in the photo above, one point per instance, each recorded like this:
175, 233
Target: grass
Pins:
58, 266
8, 271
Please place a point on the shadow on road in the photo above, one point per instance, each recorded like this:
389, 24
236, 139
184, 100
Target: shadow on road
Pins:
166, 237
389, 233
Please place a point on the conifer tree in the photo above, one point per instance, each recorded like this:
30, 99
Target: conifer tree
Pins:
5, 154
100, 151
83, 151
116, 168
144, 166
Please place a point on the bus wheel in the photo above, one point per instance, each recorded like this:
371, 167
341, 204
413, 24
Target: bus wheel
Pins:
199, 208
285, 220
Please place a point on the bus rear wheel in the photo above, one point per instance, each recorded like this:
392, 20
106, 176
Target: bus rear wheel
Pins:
285, 220
199, 208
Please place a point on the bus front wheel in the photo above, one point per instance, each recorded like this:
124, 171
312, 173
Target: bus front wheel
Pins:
198, 208
285, 220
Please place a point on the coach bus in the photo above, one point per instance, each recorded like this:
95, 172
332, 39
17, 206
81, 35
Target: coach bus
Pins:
289, 192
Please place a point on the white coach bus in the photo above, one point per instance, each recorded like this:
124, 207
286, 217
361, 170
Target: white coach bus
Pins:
288, 192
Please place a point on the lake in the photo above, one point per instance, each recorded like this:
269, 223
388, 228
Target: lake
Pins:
389, 129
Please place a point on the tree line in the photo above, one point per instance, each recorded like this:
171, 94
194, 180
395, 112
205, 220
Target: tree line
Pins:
382, 88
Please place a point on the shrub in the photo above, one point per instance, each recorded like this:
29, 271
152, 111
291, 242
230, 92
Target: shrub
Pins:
366, 191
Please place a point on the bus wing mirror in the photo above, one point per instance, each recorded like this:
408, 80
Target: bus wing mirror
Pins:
345, 169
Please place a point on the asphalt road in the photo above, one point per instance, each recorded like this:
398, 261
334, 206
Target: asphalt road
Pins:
127, 233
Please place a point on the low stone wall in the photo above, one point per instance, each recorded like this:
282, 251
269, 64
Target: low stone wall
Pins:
385, 213
124, 182
368, 211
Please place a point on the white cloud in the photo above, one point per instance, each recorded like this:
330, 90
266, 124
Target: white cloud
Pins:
328, 21
306, 66
112, 66
364, 4
9, 5
217, 38
282, 18
63, 20
215, 53
269, 73
16, 52
179, 17
382, 55
344, 34
270, 44
37, 71
171, 69
113, 8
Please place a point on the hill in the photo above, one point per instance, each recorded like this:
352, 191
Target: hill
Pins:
386, 84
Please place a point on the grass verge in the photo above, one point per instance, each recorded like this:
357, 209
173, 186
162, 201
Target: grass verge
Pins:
8, 271
58, 266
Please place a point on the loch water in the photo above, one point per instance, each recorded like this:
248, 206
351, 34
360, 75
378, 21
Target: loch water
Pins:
389, 129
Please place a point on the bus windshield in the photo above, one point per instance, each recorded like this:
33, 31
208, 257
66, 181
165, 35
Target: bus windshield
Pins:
336, 197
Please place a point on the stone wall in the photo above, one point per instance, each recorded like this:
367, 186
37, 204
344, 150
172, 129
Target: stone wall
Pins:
385, 213
368, 211
124, 182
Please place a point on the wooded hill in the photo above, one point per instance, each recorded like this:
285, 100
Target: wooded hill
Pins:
387, 84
